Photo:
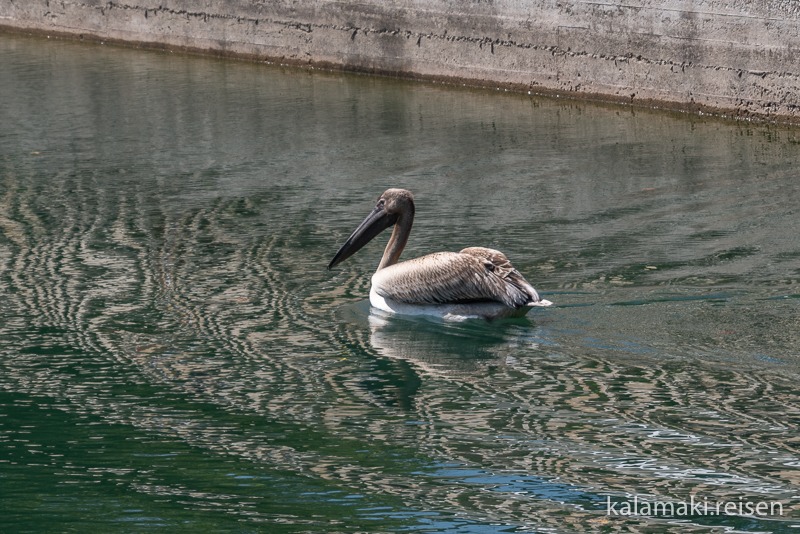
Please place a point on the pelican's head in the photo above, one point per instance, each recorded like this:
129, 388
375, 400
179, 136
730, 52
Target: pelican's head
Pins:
391, 206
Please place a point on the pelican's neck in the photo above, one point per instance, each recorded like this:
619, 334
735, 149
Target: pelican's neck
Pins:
396, 244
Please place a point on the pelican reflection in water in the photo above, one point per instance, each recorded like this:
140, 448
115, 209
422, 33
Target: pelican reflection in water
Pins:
476, 282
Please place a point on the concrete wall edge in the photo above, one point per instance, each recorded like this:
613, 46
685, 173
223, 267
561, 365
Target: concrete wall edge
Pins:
558, 66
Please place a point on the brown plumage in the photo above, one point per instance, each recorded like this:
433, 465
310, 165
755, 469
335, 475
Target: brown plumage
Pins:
472, 275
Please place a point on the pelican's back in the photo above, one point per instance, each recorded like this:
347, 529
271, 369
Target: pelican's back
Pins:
475, 274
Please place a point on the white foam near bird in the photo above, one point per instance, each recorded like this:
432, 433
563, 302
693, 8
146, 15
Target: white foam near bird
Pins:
475, 282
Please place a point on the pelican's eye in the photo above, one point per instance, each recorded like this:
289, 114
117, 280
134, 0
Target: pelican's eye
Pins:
381, 202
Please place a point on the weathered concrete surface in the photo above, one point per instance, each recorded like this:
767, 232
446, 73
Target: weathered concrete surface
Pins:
736, 57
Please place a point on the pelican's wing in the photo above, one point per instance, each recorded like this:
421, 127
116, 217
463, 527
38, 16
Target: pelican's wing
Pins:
502, 267
472, 275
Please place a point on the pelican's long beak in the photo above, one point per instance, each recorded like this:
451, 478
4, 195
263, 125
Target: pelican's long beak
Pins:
375, 223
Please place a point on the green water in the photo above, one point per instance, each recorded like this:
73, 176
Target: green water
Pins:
176, 358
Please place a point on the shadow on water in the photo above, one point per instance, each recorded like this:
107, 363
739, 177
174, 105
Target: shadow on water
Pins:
440, 347
468, 348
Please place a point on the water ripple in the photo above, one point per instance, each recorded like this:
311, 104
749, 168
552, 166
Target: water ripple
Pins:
175, 354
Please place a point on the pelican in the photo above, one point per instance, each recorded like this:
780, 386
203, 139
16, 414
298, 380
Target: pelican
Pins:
476, 282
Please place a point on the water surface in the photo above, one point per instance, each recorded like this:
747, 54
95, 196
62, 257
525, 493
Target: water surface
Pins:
175, 356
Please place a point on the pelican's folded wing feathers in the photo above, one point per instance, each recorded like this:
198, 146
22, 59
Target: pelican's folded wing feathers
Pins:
475, 274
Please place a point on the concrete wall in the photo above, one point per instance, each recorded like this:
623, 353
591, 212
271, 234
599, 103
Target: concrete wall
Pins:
737, 57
